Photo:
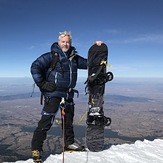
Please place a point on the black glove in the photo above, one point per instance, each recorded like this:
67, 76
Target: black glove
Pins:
47, 86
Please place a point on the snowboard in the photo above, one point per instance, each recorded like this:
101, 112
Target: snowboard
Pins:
95, 88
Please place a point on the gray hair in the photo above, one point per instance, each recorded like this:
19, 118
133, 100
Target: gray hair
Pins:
65, 33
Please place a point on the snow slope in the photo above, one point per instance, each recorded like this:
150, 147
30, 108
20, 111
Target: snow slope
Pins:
140, 152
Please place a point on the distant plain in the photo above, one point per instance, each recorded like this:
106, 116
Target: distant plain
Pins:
135, 106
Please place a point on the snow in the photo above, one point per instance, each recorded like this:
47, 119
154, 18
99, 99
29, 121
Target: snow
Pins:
139, 152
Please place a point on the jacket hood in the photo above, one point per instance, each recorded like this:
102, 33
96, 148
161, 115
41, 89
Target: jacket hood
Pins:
55, 46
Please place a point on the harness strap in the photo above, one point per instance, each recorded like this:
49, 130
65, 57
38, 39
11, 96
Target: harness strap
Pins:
41, 98
67, 90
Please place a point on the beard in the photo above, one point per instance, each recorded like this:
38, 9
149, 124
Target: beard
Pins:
65, 49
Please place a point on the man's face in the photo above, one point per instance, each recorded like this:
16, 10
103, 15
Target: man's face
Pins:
64, 43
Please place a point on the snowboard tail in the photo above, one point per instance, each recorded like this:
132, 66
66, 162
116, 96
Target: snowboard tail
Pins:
95, 138
95, 87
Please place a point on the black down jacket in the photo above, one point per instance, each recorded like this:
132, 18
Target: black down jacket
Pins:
64, 75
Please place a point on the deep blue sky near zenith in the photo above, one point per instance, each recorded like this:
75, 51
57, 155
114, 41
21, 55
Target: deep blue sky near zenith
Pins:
133, 30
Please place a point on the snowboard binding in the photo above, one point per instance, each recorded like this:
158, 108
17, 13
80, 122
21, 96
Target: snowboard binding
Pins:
101, 79
95, 116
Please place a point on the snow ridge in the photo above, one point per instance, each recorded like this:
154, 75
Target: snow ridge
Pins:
139, 152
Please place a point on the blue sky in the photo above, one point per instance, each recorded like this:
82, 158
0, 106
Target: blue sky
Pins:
133, 30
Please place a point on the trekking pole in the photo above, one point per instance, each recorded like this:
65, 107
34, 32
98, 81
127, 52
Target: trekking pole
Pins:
63, 131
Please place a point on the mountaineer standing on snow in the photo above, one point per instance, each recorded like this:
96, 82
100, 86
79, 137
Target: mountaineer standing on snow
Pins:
55, 73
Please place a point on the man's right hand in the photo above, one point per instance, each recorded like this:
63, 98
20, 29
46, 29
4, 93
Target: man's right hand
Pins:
47, 86
99, 43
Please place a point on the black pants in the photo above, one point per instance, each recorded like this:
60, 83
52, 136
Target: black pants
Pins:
50, 109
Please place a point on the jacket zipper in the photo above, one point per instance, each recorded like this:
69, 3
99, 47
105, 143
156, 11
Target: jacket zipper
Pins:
70, 70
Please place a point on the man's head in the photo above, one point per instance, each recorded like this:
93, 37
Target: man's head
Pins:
65, 40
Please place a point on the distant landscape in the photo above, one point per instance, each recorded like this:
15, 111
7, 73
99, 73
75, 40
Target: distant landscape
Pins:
135, 106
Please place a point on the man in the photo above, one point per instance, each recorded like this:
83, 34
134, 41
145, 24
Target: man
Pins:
55, 73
